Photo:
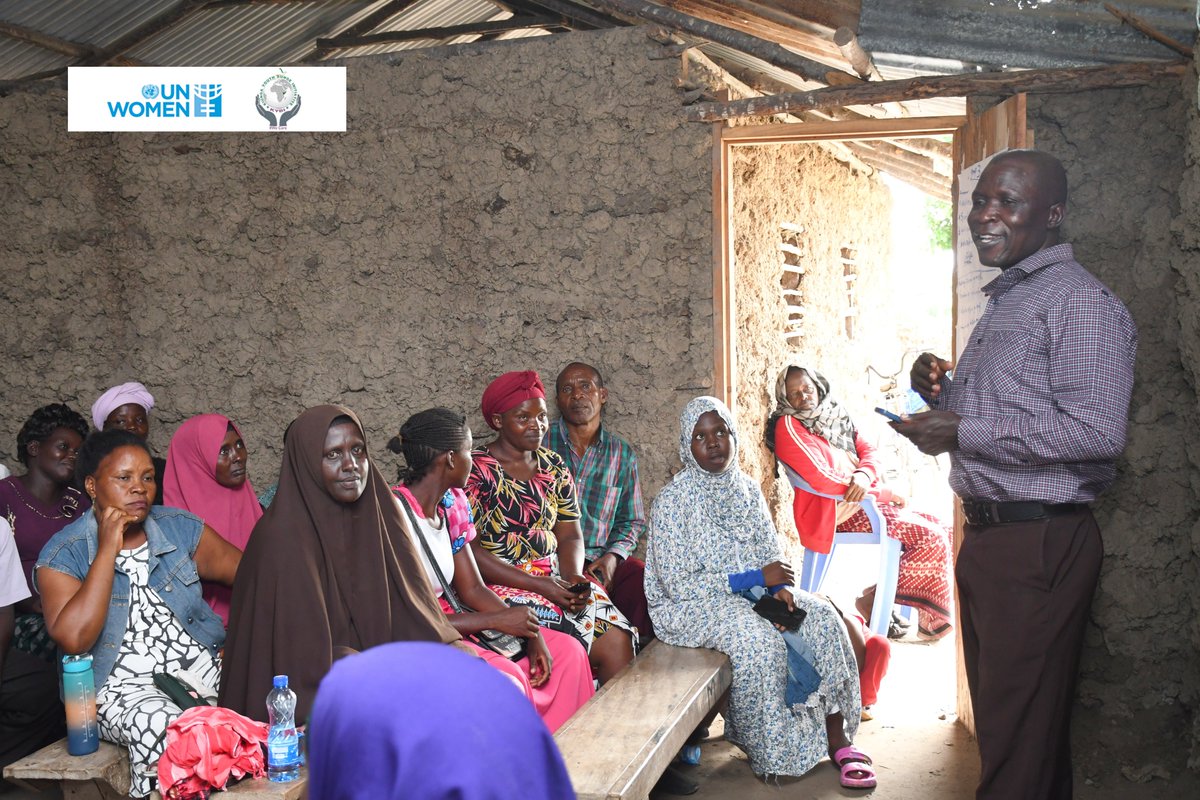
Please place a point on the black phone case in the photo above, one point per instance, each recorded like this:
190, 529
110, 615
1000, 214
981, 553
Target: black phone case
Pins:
776, 611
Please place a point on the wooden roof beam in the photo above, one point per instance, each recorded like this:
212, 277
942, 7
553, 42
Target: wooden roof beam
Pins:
983, 83
363, 26
147, 30
928, 183
772, 53
46, 41
386, 37
580, 17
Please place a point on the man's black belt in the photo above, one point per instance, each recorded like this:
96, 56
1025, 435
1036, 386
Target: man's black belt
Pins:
982, 512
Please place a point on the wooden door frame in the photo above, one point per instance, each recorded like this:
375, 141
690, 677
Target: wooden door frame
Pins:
725, 139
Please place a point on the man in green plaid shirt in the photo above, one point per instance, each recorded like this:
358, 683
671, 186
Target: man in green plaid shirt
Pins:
606, 484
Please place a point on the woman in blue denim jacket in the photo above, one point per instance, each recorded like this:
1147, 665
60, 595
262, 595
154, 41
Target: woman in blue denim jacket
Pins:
123, 584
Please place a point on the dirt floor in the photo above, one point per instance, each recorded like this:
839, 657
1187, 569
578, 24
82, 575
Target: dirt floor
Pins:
919, 750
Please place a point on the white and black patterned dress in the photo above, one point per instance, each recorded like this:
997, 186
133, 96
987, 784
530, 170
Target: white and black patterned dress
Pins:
132, 710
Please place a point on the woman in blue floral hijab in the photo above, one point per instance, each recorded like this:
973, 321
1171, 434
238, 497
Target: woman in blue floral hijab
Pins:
712, 552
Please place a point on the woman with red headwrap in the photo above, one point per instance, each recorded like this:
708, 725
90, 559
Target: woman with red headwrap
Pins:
530, 547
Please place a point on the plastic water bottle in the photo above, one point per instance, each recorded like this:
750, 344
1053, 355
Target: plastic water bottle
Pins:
79, 697
283, 742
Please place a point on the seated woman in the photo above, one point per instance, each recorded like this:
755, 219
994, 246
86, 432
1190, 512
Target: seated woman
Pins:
127, 407
810, 432
437, 451
40, 503
712, 551
206, 475
530, 547
123, 584
422, 705
329, 570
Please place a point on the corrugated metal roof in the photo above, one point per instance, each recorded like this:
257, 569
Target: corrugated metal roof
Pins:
431, 14
250, 35
997, 34
222, 35
98, 23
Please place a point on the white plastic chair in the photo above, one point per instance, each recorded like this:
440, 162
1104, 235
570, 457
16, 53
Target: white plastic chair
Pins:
812, 572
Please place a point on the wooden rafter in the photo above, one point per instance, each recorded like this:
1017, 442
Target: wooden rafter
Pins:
706, 64
770, 52
985, 83
53, 43
933, 185
830, 14
580, 17
147, 30
1146, 29
386, 37
363, 26
758, 21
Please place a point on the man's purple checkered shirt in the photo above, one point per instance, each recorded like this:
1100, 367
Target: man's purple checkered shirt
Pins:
1043, 386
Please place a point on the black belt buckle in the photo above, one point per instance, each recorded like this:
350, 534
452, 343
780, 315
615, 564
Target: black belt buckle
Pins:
983, 513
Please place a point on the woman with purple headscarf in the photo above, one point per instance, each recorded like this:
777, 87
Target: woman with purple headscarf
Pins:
415, 719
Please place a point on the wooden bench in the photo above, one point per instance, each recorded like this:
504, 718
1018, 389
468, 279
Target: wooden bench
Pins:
104, 775
618, 745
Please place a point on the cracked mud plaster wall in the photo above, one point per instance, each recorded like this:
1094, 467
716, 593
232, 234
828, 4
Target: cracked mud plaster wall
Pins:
1125, 152
503, 206
802, 184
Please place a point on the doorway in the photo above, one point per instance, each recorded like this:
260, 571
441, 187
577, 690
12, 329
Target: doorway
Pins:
830, 309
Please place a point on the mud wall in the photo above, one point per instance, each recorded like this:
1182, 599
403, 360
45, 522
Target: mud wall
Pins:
834, 206
504, 206
1132, 226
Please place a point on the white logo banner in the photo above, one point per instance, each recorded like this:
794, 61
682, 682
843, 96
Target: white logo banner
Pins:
168, 99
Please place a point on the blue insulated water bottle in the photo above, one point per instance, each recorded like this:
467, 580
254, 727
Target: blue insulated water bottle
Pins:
79, 697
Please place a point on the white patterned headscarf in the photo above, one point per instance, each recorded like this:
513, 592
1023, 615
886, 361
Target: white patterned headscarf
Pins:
728, 498
827, 419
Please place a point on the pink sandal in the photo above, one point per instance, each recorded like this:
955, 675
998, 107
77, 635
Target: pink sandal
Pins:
856, 769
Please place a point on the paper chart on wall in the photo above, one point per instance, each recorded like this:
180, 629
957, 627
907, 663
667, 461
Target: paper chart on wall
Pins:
970, 275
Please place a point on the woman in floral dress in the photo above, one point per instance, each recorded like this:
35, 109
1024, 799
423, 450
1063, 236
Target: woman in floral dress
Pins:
530, 548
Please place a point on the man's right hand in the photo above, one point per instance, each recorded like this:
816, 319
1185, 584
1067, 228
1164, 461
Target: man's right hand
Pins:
778, 572
926, 375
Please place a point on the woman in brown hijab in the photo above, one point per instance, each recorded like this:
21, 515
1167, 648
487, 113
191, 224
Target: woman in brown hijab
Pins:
329, 570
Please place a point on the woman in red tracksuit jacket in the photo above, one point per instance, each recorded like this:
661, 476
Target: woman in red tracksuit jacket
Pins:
811, 433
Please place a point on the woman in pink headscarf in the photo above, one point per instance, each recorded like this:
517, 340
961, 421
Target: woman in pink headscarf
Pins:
206, 475
530, 548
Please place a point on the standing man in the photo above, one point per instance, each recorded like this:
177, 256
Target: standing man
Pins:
610, 497
1034, 420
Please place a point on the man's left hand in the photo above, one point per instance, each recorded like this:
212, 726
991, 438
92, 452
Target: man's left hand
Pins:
602, 569
933, 432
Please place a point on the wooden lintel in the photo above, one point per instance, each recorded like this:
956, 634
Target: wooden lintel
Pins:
497, 26
772, 53
842, 130
964, 85
46, 41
